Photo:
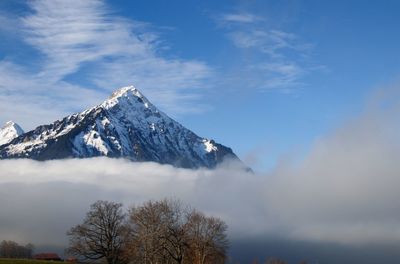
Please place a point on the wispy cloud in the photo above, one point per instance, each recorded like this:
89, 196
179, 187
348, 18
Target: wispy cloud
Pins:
271, 42
239, 17
85, 40
277, 56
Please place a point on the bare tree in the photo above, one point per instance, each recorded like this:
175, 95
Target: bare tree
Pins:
175, 237
167, 232
146, 228
101, 235
208, 239
157, 232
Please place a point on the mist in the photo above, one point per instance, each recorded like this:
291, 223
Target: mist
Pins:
337, 203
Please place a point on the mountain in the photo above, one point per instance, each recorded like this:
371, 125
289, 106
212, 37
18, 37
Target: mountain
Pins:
126, 125
9, 131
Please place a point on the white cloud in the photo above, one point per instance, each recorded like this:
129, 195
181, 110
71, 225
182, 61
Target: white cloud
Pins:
280, 75
269, 42
239, 18
85, 40
266, 52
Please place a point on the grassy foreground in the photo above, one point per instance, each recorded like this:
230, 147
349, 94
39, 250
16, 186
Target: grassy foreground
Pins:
24, 261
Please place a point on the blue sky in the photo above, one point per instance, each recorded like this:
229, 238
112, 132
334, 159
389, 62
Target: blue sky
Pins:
266, 78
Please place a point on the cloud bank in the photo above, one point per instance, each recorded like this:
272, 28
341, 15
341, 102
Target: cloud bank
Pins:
345, 191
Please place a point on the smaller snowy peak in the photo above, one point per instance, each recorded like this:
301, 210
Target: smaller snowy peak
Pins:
9, 131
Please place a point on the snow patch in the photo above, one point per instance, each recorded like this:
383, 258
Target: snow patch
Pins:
209, 146
93, 139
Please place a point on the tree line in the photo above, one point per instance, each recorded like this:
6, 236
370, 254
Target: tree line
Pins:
11, 249
155, 232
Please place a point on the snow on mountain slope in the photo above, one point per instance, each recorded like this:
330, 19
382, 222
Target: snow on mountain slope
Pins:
9, 131
125, 125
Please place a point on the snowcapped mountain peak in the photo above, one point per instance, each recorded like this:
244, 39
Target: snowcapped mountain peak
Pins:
125, 91
126, 125
9, 131
127, 96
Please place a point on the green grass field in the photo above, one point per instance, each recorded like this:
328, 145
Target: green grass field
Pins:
24, 261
